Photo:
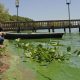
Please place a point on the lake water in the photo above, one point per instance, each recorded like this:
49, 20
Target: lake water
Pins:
73, 30
69, 70
63, 71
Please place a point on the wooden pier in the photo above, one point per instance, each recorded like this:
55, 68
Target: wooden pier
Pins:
40, 25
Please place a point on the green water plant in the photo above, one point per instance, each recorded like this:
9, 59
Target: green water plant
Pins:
78, 53
43, 52
68, 49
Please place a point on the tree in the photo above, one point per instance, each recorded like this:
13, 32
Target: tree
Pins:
23, 19
4, 15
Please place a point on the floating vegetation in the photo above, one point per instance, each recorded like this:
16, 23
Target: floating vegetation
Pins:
77, 52
44, 52
68, 49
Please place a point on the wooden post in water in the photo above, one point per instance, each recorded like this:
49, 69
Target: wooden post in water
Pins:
69, 28
53, 30
65, 30
49, 30
34, 30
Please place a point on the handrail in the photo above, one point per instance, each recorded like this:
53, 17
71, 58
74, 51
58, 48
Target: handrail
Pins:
47, 24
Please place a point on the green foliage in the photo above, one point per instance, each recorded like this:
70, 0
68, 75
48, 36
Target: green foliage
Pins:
68, 49
78, 53
3, 9
23, 19
5, 16
43, 52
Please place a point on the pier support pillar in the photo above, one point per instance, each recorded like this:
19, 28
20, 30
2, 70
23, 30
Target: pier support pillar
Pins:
34, 29
52, 30
65, 30
69, 29
49, 30
52, 27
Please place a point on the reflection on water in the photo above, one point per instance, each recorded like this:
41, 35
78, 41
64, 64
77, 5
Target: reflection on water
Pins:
73, 30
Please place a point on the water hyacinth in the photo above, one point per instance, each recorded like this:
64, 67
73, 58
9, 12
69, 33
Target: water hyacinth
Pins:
69, 53
54, 43
68, 49
17, 40
28, 54
53, 50
77, 52
22, 44
44, 52
79, 55
27, 44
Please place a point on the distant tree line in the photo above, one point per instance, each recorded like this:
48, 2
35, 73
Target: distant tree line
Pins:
5, 16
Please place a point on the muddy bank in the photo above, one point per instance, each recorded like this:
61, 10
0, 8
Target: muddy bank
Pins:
4, 59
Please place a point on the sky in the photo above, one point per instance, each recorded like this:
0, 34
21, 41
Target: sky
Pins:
44, 9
